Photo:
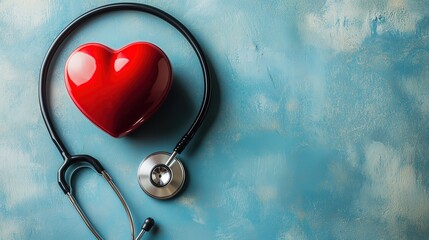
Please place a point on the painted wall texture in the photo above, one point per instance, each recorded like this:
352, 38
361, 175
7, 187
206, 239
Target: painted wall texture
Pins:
318, 127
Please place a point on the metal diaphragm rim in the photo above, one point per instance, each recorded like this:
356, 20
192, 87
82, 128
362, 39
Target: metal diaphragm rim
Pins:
145, 172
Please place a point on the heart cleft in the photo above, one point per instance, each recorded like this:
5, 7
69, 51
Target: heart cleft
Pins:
118, 90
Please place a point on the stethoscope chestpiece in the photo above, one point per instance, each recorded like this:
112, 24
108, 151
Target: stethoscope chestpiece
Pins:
161, 175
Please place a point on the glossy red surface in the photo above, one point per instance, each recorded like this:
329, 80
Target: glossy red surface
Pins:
118, 90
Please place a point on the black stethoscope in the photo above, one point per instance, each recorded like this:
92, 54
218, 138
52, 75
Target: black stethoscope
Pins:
161, 175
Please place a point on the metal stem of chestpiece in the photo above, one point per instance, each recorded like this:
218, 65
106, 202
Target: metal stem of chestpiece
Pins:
171, 159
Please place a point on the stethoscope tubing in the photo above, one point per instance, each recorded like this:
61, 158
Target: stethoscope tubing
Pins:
74, 160
44, 108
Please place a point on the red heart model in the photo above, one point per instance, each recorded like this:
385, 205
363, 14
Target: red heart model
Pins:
118, 90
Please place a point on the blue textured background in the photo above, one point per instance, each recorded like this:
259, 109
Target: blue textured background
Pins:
318, 127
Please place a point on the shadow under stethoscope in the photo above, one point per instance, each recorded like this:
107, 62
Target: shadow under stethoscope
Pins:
176, 115
215, 103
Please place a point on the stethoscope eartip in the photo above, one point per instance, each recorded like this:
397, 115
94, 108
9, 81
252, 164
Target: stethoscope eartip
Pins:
148, 224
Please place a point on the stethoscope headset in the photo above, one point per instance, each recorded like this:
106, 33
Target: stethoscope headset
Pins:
161, 175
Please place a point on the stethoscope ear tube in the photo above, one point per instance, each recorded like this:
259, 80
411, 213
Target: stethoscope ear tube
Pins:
88, 223
78, 161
